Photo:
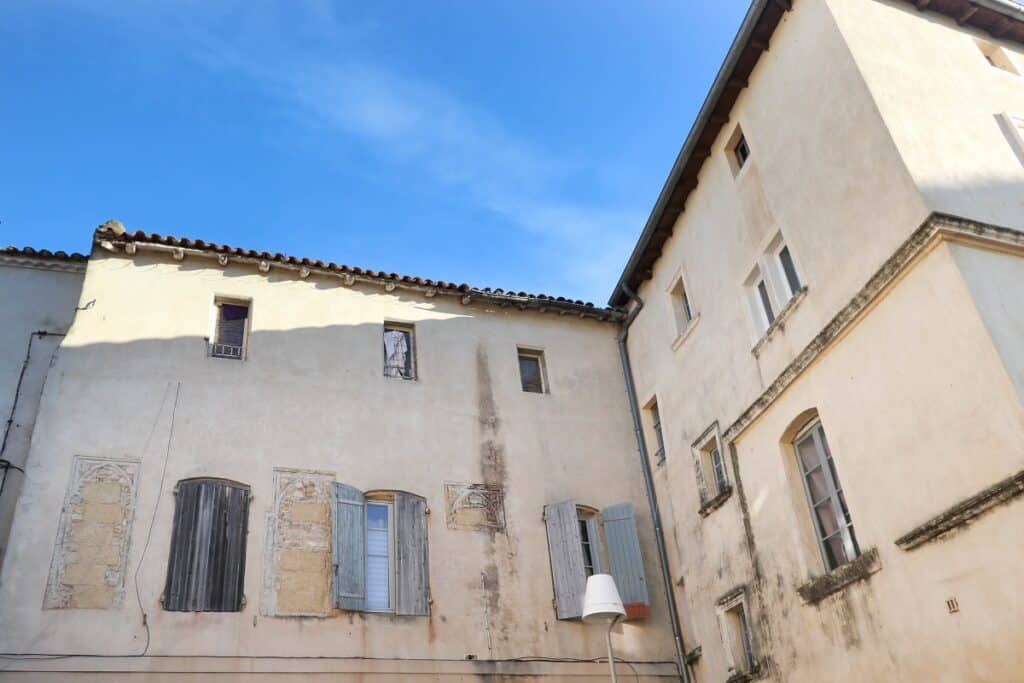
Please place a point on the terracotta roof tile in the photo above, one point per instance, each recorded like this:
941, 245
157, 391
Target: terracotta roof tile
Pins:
29, 252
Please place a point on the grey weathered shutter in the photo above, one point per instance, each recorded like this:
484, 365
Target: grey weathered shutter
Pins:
627, 565
349, 547
206, 568
412, 594
565, 548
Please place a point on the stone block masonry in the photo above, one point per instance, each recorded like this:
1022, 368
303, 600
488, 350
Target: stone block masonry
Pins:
297, 579
88, 566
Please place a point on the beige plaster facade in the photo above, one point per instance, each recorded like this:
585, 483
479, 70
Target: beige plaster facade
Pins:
886, 155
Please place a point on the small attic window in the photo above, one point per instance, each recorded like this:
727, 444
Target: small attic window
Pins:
737, 150
997, 56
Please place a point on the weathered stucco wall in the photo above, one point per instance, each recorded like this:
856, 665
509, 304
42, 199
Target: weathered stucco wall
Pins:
310, 405
39, 295
920, 414
941, 100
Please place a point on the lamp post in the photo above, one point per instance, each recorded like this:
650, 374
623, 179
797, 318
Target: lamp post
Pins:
601, 602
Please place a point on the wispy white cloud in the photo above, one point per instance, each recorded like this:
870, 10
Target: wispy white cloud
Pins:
423, 126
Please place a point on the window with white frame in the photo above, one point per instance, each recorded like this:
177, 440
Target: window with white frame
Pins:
735, 627
379, 555
1015, 127
772, 283
681, 306
659, 438
590, 541
399, 351
231, 328
532, 371
830, 514
711, 464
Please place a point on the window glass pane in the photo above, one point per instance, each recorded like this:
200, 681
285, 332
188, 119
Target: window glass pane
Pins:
826, 518
789, 268
816, 485
808, 453
766, 301
834, 553
588, 557
398, 353
378, 550
684, 302
719, 470
529, 373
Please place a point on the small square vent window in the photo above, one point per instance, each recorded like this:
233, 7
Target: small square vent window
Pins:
997, 57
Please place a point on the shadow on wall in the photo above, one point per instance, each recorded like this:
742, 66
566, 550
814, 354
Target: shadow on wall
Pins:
317, 398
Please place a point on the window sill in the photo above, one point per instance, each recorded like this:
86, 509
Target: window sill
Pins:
819, 588
685, 333
780, 320
743, 676
712, 504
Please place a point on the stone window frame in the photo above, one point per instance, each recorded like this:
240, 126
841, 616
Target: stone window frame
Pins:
652, 411
409, 328
738, 151
726, 607
712, 492
684, 312
771, 298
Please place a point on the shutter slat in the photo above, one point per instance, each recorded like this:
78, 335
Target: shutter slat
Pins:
349, 547
412, 596
565, 548
626, 559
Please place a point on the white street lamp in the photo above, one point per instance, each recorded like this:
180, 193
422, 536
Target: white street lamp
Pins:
601, 602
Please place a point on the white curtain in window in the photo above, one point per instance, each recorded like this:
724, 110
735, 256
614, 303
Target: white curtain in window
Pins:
396, 353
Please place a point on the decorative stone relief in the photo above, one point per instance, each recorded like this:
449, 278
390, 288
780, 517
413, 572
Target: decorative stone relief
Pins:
474, 507
91, 551
297, 575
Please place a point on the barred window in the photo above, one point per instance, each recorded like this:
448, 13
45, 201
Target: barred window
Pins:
399, 351
230, 334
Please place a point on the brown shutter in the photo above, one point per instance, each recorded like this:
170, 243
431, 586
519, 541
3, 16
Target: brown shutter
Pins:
206, 567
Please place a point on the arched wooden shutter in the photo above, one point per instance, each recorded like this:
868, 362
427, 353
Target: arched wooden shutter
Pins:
206, 568
565, 548
627, 565
412, 574
349, 547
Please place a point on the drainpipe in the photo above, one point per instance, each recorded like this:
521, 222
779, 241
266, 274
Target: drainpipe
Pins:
652, 497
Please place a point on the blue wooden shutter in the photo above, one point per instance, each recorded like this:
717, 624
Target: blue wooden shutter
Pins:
412, 573
349, 548
627, 565
565, 548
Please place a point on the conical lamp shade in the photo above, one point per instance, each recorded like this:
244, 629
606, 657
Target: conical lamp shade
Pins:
601, 602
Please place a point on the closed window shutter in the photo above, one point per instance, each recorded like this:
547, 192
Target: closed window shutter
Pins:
206, 569
627, 565
412, 597
565, 548
231, 324
349, 548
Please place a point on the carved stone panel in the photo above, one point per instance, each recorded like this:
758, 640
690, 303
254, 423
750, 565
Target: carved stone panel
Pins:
474, 507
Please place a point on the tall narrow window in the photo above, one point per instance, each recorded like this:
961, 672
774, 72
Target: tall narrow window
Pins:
399, 351
380, 552
789, 270
831, 516
531, 371
206, 567
715, 479
659, 454
684, 304
378, 556
230, 334
736, 636
589, 541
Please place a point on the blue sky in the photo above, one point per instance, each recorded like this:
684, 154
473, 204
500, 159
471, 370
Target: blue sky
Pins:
506, 144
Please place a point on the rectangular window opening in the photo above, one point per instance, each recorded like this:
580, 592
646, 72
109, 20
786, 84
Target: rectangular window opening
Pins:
766, 302
230, 334
659, 453
379, 556
997, 57
830, 514
789, 271
399, 351
738, 634
531, 371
